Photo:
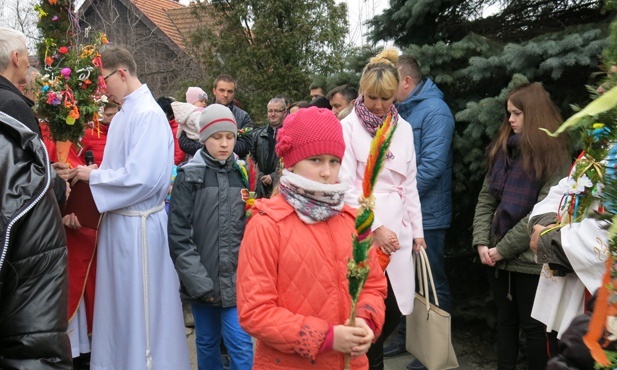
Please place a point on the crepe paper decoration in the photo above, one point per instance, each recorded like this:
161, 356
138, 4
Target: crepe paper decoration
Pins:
358, 267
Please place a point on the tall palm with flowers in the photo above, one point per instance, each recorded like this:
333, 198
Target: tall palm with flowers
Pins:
71, 82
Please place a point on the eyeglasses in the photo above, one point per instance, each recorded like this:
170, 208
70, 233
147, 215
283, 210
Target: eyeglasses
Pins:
111, 74
275, 111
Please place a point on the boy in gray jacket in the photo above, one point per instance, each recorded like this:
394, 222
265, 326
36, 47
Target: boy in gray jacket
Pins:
206, 225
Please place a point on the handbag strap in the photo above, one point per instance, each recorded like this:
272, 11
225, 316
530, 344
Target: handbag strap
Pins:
425, 276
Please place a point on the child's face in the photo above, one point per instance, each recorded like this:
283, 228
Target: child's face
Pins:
322, 168
220, 145
108, 114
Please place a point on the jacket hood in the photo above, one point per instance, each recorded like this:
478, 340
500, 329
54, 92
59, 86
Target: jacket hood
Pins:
277, 207
183, 111
426, 89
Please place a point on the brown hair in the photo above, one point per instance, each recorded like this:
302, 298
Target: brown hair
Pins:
226, 78
539, 151
114, 57
408, 66
380, 76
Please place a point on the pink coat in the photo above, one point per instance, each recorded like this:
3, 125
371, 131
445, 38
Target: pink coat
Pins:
397, 205
292, 286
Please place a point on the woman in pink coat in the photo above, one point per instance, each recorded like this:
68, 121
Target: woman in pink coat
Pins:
398, 219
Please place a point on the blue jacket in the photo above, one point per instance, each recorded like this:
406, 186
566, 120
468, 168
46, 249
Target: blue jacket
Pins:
433, 127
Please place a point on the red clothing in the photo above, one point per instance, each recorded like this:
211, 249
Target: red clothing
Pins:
95, 139
178, 153
292, 286
81, 246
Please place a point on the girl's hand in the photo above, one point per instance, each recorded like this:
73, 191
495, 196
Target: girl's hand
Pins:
484, 255
362, 348
347, 338
386, 240
418, 243
495, 256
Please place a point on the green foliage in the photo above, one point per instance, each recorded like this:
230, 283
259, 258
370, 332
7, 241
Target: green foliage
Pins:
476, 59
271, 47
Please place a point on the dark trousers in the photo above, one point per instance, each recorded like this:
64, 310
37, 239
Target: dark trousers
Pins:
393, 316
514, 294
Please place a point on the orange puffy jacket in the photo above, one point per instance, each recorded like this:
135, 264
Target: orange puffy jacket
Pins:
292, 286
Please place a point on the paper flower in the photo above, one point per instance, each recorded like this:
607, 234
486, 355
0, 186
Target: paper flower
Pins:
53, 99
66, 72
578, 186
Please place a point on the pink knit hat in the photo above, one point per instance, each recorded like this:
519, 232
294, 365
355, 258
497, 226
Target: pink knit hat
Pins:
195, 94
309, 132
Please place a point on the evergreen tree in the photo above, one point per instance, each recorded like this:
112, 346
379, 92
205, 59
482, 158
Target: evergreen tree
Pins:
271, 47
475, 60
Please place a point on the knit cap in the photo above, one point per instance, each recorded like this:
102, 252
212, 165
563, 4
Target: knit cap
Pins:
195, 94
215, 118
309, 132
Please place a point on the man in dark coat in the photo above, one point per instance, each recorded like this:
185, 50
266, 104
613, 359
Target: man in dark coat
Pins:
13, 71
262, 149
33, 256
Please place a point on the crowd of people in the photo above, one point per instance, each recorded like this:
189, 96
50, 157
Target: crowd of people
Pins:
170, 181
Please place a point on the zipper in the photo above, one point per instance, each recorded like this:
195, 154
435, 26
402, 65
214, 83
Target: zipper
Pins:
28, 208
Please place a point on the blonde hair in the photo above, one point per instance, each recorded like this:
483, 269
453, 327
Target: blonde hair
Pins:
380, 76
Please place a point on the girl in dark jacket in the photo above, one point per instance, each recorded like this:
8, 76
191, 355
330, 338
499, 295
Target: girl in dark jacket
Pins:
523, 163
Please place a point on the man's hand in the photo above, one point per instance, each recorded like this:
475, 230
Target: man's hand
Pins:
535, 236
81, 173
62, 170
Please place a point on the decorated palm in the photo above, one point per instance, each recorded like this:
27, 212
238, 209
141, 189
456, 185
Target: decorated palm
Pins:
358, 267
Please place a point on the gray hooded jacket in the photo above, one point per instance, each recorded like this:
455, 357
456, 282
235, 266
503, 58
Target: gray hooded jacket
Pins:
205, 228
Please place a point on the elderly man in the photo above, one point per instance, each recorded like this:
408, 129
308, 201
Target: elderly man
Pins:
264, 140
341, 99
14, 74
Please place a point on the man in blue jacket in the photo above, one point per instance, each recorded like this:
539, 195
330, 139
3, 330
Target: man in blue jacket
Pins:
420, 102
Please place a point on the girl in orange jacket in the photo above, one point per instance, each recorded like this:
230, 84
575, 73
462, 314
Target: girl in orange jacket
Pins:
292, 287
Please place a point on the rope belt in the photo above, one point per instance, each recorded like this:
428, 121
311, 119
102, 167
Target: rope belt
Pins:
144, 262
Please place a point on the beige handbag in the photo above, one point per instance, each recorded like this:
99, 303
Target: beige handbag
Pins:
428, 326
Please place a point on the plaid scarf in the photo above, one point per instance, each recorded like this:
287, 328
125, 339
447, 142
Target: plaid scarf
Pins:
371, 122
313, 201
516, 189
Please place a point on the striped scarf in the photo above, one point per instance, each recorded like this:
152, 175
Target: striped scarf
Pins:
371, 122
